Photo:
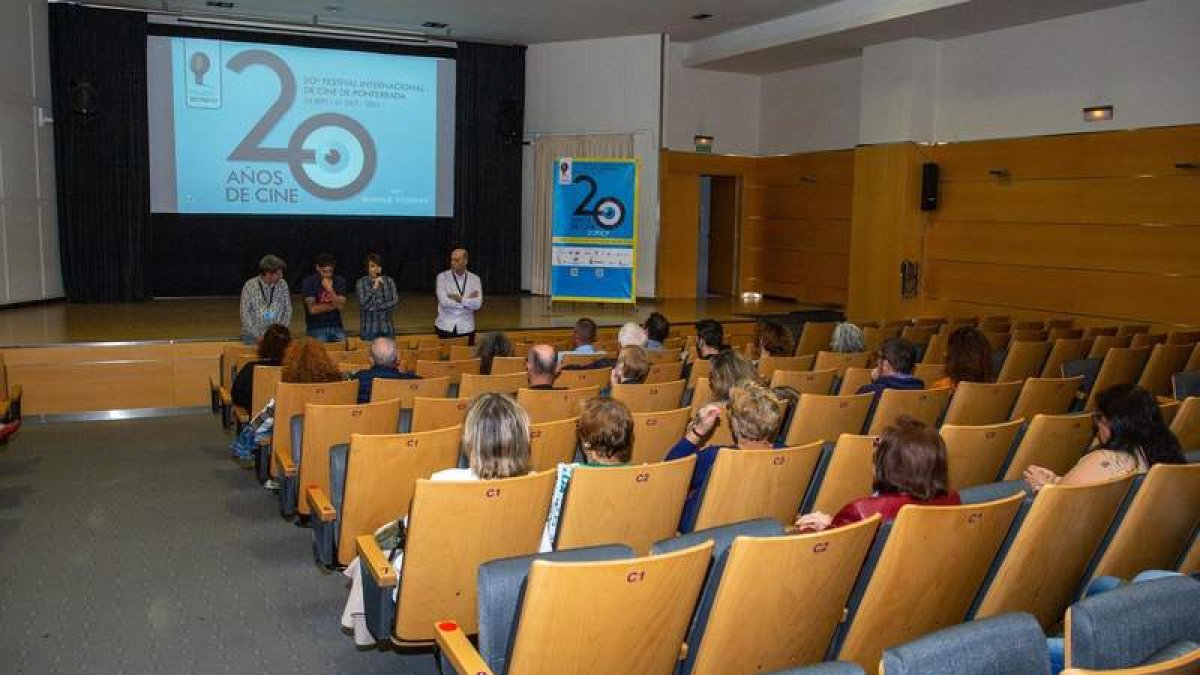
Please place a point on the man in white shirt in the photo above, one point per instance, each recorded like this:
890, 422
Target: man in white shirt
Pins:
459, 296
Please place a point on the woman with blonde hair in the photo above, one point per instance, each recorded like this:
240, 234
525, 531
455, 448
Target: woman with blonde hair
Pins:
633, 366
754, 412
495, 444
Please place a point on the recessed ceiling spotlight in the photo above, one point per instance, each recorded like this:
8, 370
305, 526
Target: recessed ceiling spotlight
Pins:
702, 16
333, 8
434, 24
218, 4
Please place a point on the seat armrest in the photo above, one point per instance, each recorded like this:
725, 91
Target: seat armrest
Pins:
319, 503
459, 650
224, 395
287, 467
374, 562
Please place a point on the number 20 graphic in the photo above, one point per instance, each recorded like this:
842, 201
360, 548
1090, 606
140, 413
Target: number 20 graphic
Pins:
328, 142
608, 212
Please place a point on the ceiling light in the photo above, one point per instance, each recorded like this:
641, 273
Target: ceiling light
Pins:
1098, 113
333, 8
702, 16
434, 24
219, 4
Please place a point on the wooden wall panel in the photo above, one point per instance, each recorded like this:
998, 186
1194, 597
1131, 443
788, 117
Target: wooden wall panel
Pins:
1103, 227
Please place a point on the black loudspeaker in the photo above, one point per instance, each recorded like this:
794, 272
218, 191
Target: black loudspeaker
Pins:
83, 97
929, 186
511, 121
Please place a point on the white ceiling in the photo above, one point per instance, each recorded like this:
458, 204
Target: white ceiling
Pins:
751, 36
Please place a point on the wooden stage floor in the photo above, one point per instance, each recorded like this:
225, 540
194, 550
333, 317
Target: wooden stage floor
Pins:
217, 318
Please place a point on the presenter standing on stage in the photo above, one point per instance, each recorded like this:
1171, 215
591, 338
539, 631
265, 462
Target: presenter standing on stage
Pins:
459, 296
377, 299
265, 299
324, 295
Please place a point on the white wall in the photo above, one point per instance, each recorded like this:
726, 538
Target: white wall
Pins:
1143, 59
28, 221
596, 87
899, 92
810, 109
722, 105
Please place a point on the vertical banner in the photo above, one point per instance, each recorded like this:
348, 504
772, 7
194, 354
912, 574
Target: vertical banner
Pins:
594, 229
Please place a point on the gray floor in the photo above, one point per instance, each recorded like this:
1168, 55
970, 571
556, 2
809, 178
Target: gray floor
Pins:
138, 547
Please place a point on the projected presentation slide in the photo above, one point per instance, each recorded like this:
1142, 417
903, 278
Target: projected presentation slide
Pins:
247, 128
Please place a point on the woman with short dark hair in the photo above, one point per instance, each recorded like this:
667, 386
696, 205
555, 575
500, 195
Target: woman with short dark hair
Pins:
488, 347
271, 348
968, 358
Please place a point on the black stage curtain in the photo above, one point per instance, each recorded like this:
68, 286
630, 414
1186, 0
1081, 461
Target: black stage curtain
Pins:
115, 250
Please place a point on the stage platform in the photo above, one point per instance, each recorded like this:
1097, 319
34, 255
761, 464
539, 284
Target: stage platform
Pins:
119, 360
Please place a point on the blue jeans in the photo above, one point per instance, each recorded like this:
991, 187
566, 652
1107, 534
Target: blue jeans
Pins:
327, 334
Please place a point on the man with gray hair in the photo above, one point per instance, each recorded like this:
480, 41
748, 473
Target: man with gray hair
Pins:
541, 364
632, 335
265, 299
383, 364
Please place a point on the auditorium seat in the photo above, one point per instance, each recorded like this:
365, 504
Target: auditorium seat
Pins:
552, 443
1046, 396
700, 368
371, 482
805, 382
266, 378
1183, 337
1165, 360
930, 567
634, 505
767, 365
1102, 343
1120, 366
937, 349
975, 403
503, 365
997, 339
825, 418
576, 359
407, 390
452, 370
548, 405
472, 385
636, 611
408, 358
852, 379
840, 361
929, 372
1053, 323
1049, 551
1023, 360
459, 352
752, 484
1011, 644
846, 472
1135, 625
1187, 664
1065, 333
290, 399
649, 397
438, 413
655, 433
923, 405
919, 335
1148, 339
1097, 331
1186, 425
814, 337
1028, 324
1054, 442
701, 394
1063, 351
1133, 329
665, 371
584, 378
453, 528
873, 339
975, 454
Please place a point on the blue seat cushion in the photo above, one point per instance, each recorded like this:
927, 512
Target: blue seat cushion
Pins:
1009, 644
1130, 625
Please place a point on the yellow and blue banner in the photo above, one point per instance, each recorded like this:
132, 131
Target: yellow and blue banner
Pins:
594, 230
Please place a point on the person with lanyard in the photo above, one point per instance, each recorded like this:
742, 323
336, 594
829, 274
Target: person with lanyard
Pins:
459, 296
266, 299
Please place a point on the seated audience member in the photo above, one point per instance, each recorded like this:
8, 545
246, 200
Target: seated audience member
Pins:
385, 364
605, 434
1131, 437
910, 468
495, 444
710, 338
754, 415
847, 339
541, 364
633, 365
657, 330
772, 339
730, 369
488, 347
897, 358
583, 337
632, 335
271, 347
968, 358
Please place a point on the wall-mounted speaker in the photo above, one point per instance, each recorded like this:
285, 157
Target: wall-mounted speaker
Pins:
929, 186
83, 97
511, 121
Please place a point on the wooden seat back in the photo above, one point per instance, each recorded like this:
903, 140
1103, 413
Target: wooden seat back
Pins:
767, 365
453, 528
1029, 324
751, 484
1194, 360
1029, 336
840, 361
408, 357
814, 336
976, 403
1047, 559
328, 425
936, 350
459, 352
664, 355
849, 475
438, 413
635, 505
929, 372
1183, 337
700, 368
701, 394
919, 335
574, 359
805, 382
407, 391
1098, 331
666, 371
1063, 350
649, 397
637, 610
290, 399
552, 443
1165, 361
1024, 360
932, 565
854, 379
472, 385
1191, 561
1148, 339
381, 473
548, 405
1121, 366
766, 622
1169, 408
1054, 442
975, 454
452, 370
924, 405
1064, 333
229, 361
655, 433
997, 339
1158, 526
873, 339
266, 381
1102, 343
581, 379
504, 365
1186, 424
1133, 329
826, 418
1046, 396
